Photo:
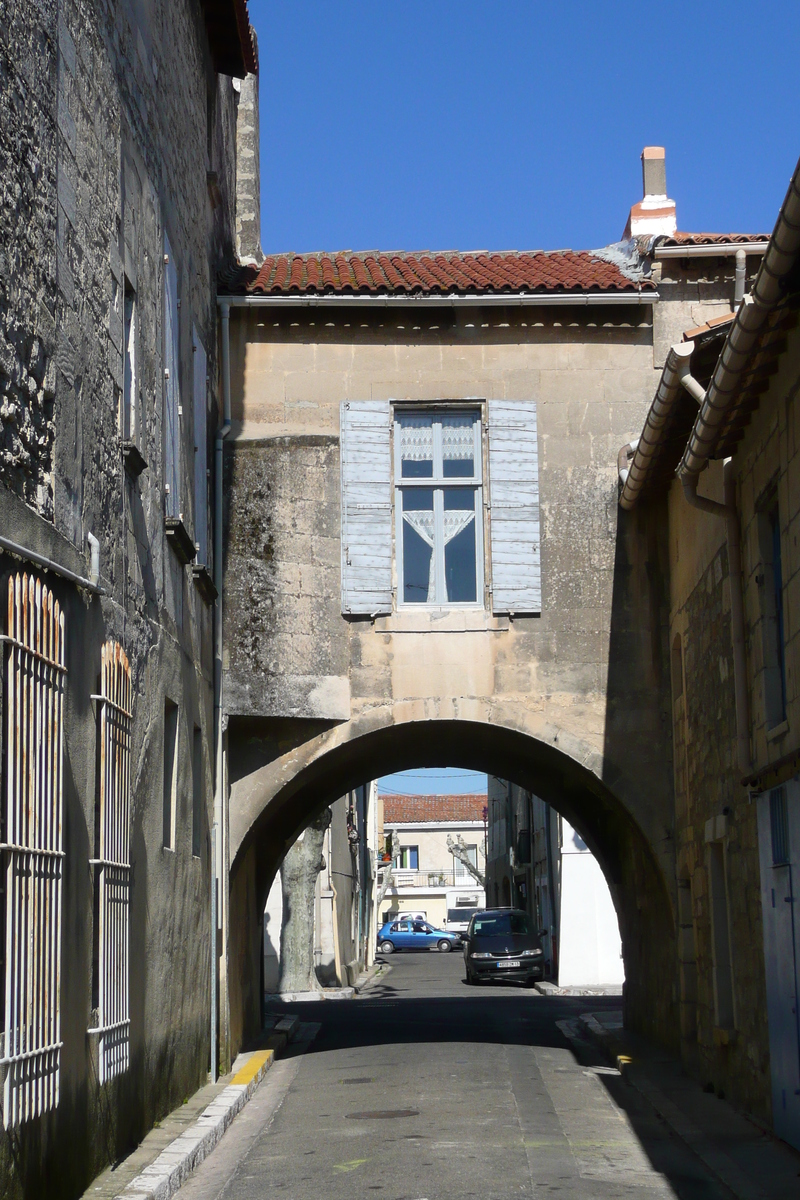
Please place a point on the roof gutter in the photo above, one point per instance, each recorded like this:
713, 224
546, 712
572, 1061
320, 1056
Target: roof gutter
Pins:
779, 260
673, 377
711, 250
385, 300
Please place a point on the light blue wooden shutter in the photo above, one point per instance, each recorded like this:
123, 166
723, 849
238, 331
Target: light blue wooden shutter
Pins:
366, 506
514, 499
172, 455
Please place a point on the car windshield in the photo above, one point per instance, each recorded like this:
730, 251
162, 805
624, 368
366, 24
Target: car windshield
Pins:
460, 914
510, 922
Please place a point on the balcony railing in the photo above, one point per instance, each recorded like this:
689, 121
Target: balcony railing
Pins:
403, 877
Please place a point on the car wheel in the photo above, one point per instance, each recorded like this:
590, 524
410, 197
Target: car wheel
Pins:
386, 948
445, 946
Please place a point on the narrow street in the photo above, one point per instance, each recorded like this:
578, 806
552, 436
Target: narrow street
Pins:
426, 1088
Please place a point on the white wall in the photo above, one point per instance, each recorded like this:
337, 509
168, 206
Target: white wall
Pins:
590, 954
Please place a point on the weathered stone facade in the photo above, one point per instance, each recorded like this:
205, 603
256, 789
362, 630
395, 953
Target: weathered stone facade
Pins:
573, 704
115, 130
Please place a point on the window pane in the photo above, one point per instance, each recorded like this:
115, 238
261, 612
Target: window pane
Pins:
458, 447
418, 587
460, 571
416, 446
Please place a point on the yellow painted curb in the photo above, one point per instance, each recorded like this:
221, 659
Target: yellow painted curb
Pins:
253, 1065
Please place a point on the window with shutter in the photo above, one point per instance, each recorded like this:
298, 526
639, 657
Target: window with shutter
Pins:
438, 507
514, 497
171, 385
366, 475
199, 407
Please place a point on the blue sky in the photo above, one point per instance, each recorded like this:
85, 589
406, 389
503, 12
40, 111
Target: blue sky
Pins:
504, 125
434, 781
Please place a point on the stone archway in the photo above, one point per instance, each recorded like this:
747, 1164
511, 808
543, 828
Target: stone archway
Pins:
613, 811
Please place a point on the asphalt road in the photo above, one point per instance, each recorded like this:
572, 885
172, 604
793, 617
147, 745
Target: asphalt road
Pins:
426, 1089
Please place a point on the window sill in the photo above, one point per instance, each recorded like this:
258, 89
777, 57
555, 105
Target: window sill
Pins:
204, 583
777, 731
135, 463
178, 538
440, 620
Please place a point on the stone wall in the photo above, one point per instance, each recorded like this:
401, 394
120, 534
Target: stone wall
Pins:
588, 677
105, 144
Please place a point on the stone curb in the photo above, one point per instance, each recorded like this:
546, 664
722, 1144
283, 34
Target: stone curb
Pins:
374, 975
162, 1178
717, 1161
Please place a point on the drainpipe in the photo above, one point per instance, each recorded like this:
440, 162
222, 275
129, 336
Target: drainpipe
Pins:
739, 278
728, 511
217, 873
94, 546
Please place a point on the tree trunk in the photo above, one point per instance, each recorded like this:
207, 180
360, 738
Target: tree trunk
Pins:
299, 871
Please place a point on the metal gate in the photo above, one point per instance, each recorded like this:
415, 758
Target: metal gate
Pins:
33, 850
113, 866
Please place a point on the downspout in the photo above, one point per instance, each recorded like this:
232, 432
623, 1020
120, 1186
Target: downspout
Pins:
216, 847
740, 276
727, 510
94, 546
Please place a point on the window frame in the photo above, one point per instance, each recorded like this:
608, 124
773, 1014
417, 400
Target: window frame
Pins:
437, 484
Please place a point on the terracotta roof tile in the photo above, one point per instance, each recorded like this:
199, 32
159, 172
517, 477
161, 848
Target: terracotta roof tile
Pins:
710, 239
398, 809
426, 274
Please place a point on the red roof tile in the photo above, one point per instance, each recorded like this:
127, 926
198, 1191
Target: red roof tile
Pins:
433, 808
426, 274
711, 239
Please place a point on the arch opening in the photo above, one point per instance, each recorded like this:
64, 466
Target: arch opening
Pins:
272, 805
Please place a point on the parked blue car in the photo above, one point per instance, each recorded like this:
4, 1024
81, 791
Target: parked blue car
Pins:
414, 935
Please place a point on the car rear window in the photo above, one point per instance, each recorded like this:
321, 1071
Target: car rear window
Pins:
502, 923
461, 914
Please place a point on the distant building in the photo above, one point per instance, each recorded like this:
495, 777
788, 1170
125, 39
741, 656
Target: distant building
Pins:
538, 862
427, 877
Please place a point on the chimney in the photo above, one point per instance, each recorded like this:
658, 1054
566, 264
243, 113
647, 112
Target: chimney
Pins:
248, 171
655, 213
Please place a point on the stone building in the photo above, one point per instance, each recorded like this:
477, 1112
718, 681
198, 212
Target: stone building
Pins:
539, 863
118, 129
716, 467
425, 563
427, 878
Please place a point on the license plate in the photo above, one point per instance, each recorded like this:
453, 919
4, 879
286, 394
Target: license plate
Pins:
510, 962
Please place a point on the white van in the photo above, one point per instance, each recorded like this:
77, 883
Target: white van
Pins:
461, 905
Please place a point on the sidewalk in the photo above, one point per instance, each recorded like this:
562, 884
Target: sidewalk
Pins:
175, 1147
750, 1162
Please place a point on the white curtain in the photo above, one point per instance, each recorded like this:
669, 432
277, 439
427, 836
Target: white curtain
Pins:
421, 521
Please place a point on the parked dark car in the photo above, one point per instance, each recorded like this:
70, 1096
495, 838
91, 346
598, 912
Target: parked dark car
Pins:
503, 943
415, 935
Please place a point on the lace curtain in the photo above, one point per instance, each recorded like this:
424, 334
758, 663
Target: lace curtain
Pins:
421, 521
416, 439
458, 438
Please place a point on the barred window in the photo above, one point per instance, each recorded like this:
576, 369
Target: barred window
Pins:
112, 865
32, 850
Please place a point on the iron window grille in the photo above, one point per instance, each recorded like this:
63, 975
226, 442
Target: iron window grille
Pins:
113, 866
439, 508
779, 827
32, 850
